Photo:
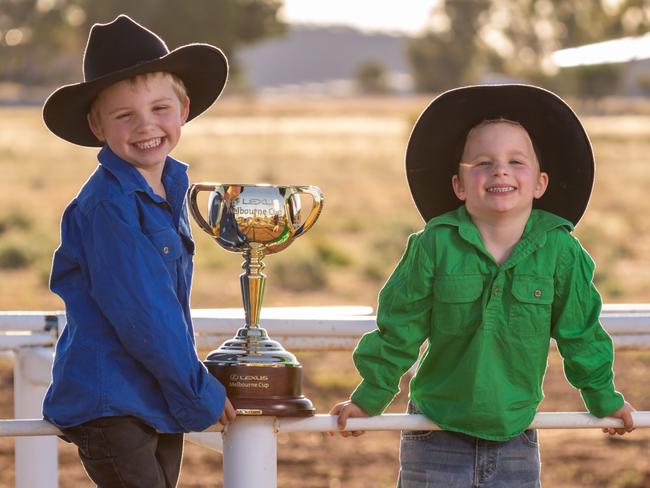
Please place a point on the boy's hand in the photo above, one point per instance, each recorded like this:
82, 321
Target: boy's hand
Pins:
348, 409
229, 413
624, 413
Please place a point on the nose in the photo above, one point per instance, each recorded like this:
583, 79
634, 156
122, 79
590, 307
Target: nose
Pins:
500, 168
144, 121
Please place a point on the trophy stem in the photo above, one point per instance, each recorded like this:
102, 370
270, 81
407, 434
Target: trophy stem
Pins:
252, 284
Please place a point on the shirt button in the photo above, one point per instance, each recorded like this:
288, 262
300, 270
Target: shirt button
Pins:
166, 250
496, 292
537, 293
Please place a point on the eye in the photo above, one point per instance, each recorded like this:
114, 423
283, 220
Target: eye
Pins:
160, 108
123, 115
516, 161
484, 163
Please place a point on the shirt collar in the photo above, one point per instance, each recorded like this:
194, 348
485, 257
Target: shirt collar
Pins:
130, 178
458, 218
539, 223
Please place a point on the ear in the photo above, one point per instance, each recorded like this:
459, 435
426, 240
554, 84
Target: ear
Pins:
185, 111
542, 184
95, 128
459, 187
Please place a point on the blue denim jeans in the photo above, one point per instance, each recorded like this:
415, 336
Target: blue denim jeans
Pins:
432, 459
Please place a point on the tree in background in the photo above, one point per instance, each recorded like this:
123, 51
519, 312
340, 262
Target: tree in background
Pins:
446, 55
532, 30
41, 40
468, 38
34, 40
371, 78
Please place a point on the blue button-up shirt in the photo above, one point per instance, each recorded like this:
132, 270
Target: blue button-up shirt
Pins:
124, 270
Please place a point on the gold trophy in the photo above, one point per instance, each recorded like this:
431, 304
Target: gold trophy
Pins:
261, 378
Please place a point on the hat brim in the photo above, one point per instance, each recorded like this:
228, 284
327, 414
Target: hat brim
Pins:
202, 67
432, 155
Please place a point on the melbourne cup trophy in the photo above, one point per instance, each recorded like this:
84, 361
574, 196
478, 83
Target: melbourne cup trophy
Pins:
260, 376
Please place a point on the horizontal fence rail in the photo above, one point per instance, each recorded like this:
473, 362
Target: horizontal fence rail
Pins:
299, 328
391, 421
543, 420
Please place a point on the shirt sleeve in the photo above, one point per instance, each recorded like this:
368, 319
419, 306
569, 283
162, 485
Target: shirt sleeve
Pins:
403, 321
585, 346
130, 283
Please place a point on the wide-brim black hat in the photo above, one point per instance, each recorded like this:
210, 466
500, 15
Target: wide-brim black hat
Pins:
436, 144
120, 50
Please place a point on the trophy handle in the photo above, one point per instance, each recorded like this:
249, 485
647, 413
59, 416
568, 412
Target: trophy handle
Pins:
317, 195
192, 195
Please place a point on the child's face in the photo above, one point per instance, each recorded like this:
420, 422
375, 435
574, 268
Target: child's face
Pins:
499, 174
140, 120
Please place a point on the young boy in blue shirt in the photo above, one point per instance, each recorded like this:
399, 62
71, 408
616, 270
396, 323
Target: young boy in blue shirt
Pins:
488, 282
127, 381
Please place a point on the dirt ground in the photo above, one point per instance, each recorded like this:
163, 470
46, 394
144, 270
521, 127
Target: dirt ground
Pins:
570, 458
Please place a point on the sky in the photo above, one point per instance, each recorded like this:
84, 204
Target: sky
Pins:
386, 15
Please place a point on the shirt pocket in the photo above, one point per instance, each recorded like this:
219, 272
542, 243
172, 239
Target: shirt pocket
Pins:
168, 244
530, 313
457, 304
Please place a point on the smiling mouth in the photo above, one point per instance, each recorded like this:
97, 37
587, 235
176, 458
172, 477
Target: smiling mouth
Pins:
149, 144
500, 189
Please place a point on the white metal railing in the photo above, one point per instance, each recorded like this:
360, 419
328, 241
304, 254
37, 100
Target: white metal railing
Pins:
301, 328
31, 336
389, 421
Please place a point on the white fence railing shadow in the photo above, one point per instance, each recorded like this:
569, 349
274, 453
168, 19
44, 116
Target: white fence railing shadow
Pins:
30, 337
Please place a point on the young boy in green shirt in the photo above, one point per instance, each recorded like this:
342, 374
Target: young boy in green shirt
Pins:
501, 174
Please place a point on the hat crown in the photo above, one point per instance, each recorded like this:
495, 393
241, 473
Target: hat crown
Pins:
120, 45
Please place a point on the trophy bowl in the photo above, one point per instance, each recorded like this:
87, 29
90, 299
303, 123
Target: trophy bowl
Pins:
260, 376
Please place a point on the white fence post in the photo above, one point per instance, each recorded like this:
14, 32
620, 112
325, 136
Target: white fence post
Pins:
36, 457
250, 453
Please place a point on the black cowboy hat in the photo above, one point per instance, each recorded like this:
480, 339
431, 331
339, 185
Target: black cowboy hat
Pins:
122, 49
436, 144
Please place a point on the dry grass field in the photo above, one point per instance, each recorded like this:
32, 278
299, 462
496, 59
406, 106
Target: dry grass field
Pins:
353, 150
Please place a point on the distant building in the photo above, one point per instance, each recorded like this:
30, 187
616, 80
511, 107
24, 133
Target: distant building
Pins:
632, 52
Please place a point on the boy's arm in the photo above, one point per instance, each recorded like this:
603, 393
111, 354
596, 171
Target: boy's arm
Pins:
130, 283
403, 322
586, 348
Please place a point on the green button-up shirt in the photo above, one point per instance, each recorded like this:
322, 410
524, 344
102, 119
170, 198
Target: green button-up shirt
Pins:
488, 327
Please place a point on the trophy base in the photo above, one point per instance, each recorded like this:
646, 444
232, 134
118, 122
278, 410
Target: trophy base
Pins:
264, 380
263, 390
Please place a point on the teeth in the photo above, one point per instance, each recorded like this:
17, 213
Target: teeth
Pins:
500, 189
151, 143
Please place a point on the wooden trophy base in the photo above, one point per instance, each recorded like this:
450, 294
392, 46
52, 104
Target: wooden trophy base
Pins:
260, 377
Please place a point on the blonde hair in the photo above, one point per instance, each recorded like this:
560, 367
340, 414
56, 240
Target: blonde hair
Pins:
500, 120
177, 86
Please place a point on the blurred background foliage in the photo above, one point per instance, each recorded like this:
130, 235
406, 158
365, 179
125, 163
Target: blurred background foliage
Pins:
469, 38
40, 40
